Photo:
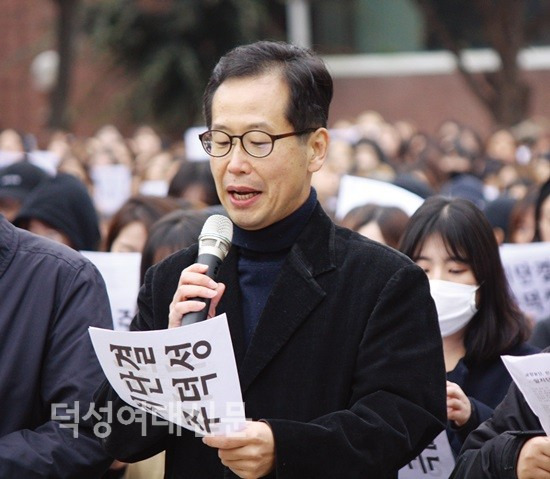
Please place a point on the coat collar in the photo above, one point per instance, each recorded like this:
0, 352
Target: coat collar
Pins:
295, 294
8, 243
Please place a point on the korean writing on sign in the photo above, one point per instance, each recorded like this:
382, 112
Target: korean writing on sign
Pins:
185, 375
527, 269
435, 461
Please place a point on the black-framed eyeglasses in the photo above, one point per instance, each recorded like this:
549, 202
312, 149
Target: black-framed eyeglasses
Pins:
256, 143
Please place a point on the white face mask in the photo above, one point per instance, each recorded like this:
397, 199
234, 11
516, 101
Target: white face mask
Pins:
455, 304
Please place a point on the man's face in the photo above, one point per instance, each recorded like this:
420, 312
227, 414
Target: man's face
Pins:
257, 192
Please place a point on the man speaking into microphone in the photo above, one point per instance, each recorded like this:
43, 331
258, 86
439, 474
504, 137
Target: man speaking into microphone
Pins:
335, 336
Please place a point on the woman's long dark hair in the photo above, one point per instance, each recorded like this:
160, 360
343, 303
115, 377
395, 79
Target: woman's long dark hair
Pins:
544, 192
499, 324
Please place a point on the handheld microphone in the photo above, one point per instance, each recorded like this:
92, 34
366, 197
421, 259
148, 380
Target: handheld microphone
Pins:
214, 243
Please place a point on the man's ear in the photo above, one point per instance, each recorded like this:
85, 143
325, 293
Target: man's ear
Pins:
317, 149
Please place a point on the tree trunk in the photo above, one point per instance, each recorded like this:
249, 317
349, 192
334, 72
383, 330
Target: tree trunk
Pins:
503, 92
66, 19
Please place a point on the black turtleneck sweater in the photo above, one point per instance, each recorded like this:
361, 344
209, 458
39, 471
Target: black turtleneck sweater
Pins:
261, 255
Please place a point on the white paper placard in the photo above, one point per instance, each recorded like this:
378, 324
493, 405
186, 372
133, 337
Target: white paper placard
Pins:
356, 191
532, 377
187, 375
112, 187
120, 272
527, 268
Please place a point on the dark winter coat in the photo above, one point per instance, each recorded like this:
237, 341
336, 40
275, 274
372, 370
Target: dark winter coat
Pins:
345, 364
49, 296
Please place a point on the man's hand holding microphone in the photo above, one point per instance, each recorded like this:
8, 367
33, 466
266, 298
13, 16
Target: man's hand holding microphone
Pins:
198, 294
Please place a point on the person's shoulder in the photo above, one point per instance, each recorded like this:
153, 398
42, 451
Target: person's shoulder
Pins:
523, 349
49, 252
355, 244
175, 262
542, 325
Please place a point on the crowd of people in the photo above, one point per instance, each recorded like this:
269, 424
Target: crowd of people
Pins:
440, 274
501, 173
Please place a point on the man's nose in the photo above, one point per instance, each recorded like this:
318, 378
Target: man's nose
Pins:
238, 157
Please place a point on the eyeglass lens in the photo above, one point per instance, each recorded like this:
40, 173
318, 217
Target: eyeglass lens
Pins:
256, 143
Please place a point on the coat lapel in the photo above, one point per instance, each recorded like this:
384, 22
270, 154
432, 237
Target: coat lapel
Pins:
295, 295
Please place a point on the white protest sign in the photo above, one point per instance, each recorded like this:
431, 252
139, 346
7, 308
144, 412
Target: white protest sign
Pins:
154, 187
120, 272
532, 377
356, 191
193, 146
185, 375
112, 187
436, 460
46, 160
527, 269
9, 157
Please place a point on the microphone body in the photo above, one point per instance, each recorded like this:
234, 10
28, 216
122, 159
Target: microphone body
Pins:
213, 263
214, 243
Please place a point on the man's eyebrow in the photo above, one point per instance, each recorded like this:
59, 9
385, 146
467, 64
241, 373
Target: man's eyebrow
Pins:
252, 126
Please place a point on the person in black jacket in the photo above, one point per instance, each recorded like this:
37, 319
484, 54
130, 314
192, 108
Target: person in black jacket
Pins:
454, 243
509, 445
50, 295
324, 323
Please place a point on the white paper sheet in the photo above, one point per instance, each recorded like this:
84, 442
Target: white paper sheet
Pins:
186, 375
532, 376
356, 191
120, 272
527, 269
112, 187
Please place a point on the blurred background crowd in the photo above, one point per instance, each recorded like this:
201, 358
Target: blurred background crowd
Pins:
435, 97
139, 179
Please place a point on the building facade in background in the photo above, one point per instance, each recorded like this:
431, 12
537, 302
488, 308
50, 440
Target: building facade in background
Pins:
380, 53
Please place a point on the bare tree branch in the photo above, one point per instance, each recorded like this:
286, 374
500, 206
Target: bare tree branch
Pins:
482, 90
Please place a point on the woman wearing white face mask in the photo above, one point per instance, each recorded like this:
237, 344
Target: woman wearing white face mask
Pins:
479, 320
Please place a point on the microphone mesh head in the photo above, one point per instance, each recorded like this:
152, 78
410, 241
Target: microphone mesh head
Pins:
218, 225
216, 236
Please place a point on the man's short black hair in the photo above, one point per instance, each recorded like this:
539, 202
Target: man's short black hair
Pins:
308, 79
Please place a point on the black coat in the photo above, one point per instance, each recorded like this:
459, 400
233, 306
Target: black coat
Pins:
346, 362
